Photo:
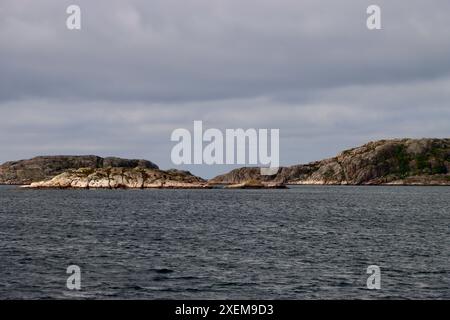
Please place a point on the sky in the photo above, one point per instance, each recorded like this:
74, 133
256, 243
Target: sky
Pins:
139, 69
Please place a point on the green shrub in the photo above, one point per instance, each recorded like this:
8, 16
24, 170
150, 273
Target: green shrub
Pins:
402, 159
439, 169
422, 162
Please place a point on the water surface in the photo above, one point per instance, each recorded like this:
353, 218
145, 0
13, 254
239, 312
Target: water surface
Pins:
302, 243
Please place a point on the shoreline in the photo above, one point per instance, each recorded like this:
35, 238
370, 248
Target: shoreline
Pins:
225, 187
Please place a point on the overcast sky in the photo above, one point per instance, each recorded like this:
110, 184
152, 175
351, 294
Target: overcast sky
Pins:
137, 70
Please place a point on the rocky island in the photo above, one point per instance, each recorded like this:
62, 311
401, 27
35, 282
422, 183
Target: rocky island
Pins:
122, 178
256, 184
94, 172
384, 162
24, 172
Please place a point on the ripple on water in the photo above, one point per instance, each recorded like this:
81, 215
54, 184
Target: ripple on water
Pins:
302, 243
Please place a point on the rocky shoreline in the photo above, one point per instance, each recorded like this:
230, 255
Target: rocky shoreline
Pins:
25, 172
419, 162
406, 162
255, 184
122, 178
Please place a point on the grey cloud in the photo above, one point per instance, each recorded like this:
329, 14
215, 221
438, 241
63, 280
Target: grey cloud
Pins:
139, 69
327, 124
206, 50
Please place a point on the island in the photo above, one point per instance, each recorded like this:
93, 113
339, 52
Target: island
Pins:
385, 162
419, 162
93, 172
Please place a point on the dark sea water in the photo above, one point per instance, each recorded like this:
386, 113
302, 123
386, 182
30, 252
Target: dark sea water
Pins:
301, 243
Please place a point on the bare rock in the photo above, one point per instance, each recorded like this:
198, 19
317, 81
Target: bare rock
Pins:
257, 184
398, 161
46, 167
126, 178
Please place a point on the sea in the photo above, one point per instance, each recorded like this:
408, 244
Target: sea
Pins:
305, 242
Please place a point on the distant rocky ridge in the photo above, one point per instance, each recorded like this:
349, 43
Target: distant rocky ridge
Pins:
24, 172
115, 178
384, 162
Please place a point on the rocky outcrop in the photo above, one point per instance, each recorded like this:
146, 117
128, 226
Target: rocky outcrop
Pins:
256, 184
116, 178
384, 162
45, 167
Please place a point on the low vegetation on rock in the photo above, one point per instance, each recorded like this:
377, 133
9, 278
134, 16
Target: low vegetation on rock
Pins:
384, 162
46, 167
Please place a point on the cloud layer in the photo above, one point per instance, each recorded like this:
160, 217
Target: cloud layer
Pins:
139, 69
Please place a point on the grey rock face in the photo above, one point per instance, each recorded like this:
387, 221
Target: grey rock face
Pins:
46, 167
127, 163
399, 161
115, 178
